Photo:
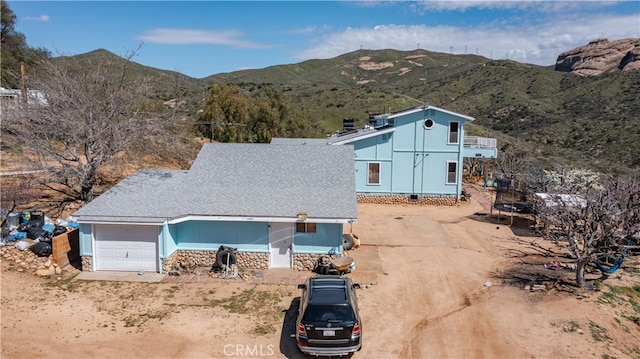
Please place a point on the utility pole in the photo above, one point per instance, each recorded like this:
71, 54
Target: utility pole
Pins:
425, 88
25, 100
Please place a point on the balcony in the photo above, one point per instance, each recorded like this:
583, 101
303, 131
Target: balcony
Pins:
480, 142
480, 147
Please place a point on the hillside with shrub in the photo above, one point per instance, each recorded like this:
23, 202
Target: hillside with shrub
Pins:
556, 117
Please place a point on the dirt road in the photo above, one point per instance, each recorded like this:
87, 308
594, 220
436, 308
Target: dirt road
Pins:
436, 291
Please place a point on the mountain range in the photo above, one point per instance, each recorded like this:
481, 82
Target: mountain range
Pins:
556, 114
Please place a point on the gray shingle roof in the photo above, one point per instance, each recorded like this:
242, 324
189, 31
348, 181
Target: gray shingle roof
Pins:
299, 141
146, 196
243, 180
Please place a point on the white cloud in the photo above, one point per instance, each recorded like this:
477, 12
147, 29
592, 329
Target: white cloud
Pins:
310, 30
168, 36
306, 30
541, 6
43, 18
536, 43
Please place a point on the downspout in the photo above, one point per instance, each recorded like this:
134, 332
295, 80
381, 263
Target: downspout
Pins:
460, 159
424, 158
415, 155
393, 150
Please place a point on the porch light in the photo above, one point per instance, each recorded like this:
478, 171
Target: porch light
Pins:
302, 216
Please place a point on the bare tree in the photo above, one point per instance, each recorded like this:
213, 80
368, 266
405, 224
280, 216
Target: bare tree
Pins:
96, 113
512, 165
593, 223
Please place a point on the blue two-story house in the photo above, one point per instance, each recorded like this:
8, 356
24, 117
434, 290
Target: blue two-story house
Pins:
414, 155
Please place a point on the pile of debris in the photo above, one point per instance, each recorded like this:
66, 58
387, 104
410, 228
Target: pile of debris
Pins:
26, 241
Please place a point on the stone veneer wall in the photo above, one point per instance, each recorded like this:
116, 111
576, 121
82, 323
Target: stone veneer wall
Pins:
248, 260
86, 263
406, 199
307, 261
192, 259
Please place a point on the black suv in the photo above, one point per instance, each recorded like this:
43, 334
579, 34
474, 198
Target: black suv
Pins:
328, 320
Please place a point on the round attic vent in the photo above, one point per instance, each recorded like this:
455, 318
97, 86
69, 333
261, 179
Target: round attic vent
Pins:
428, 123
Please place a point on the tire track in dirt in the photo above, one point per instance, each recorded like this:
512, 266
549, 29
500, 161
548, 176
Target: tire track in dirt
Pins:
413, 346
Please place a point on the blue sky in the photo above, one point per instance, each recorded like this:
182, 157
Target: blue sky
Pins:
202, 38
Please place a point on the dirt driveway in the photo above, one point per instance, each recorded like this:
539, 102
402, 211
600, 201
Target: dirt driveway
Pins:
434, 288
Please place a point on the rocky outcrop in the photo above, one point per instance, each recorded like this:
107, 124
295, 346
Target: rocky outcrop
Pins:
631, 61
600, 56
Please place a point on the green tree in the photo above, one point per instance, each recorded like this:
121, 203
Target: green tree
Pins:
14, 50
250, 114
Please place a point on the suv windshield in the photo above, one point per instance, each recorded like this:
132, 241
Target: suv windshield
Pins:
328, 313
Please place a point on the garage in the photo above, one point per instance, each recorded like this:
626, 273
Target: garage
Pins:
126, 248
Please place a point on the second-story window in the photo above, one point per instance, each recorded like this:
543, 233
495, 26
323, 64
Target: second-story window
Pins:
454, 132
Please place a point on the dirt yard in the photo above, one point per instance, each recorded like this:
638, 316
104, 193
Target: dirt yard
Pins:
438, 282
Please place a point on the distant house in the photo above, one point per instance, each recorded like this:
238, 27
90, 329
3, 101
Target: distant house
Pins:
16, 97
281, 206
414, 155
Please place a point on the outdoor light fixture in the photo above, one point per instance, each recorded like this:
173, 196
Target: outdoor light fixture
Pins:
302, 216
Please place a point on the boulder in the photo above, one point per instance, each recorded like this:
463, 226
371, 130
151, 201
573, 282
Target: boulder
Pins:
45, 272
601, 55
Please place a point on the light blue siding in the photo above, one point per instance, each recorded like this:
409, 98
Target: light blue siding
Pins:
481, 152
327, 239
362, 173
402, 163
413, 159
168, 243
205, 235
377, 149
85, 239
246, 236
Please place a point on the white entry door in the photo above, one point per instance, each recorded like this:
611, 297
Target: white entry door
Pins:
280, 244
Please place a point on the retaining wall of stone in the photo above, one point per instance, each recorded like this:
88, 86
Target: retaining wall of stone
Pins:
406, 199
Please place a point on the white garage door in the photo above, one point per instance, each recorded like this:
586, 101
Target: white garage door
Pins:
126, 248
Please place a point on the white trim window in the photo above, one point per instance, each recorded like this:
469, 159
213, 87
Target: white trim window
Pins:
373, 173
303, 227
452, 172
454, 132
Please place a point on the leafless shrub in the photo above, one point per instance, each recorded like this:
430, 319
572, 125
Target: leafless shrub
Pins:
96, 116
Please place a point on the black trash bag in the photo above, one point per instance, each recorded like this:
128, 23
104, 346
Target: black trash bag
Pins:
39, 234
24, 226
58, 230
41, 249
